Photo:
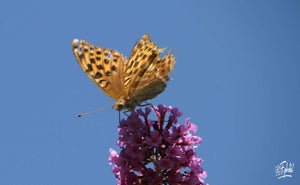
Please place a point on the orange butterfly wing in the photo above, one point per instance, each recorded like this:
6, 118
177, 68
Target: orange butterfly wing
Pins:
104, 67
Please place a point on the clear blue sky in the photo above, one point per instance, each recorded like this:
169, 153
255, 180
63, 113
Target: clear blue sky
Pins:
237, 77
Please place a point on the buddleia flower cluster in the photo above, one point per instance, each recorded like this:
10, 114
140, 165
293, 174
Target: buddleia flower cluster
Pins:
157, 152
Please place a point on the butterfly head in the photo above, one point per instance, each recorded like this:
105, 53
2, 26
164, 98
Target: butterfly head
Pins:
125, 104
119, 106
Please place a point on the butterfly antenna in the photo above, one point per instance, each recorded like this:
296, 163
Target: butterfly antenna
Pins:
119, 116
80, 115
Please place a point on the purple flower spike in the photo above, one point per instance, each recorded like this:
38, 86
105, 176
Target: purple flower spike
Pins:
154, 154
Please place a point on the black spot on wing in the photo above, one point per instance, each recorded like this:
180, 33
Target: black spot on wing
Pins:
89, 69
152, 57
137, 63
144, 57
127, 80
98, 75
100, 67
108, 73
106, 84
114, 68
131, 63
142, 72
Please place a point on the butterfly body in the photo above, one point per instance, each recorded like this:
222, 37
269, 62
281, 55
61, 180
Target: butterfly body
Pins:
129, 82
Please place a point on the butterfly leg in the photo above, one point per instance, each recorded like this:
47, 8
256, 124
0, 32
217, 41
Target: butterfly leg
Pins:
151, 106
125, 112
146, 104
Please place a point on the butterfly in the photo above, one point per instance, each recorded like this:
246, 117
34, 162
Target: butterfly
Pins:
129, 82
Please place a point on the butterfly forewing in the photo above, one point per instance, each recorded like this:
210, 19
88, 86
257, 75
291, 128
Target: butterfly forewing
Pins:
104, 67
141, 58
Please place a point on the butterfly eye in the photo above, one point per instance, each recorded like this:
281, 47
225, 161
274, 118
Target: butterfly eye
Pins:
119, 106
